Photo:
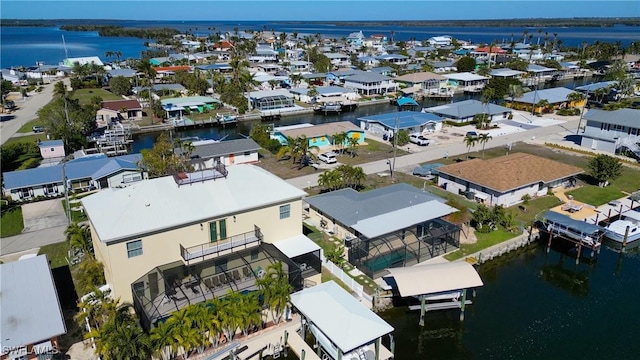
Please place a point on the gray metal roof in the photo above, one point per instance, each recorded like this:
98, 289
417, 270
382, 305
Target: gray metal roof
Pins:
367, 77
227, 147
467, 108
348, 206
577, 225
625, 117
405, 119
595, 86
552, 95
340, 317
30, 308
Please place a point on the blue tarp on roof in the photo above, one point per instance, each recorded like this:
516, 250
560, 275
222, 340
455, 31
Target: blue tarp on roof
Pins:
92, 167
406, 119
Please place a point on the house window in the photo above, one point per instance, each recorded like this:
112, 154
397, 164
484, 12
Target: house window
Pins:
247, 153
134, 248
285, 211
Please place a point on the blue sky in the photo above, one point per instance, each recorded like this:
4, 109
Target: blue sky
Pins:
309, 10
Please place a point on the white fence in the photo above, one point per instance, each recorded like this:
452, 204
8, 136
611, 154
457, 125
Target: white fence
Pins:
349, 281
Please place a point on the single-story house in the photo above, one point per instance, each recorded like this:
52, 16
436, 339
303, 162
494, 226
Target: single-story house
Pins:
466, 81
506, 73
221, 68
443, 66
207, 153
338, 76
612, 131
300, 66
464, 111
31, 319
118, 110
506, 179
160, 88
320, 135
90, 172
541, 72
557, 98
70, 62
177, 107
427, 81
127, 73
369, 83
324, 92
396, 59
368, 61
440, 40
411, 121
393, 226
52, 149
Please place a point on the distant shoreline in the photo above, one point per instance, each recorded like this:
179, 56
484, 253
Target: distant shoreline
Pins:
532, 23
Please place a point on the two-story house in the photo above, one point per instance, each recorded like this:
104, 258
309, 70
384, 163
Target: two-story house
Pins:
169, 242
370, 83
611, 130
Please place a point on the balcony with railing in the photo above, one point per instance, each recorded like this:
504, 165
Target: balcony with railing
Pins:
230, 244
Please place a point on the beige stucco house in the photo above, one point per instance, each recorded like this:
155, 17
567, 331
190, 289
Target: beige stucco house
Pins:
178, 240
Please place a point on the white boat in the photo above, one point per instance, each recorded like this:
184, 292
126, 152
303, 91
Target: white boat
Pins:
617, 229
226, 118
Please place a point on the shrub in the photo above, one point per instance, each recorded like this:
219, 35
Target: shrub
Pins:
568, 112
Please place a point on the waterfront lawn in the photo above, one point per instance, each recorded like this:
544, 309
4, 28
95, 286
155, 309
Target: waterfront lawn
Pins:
595, 195
534, 207
56, 254
11, 222
629, 180
485, 240
85, 95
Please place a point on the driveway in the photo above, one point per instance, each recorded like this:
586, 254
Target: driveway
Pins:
43, 215
44, 224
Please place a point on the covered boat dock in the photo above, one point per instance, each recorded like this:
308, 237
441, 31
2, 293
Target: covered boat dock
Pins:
437, 282
343, 328
580, 233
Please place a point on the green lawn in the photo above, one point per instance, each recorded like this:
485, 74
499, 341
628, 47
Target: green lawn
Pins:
85, 95
76, 216
29, 138
28, 127
484, 241
56, 253
629, 181
11, 222
534, 207
595, 195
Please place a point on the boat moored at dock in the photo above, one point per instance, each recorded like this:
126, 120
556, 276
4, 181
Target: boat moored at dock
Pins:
624, 231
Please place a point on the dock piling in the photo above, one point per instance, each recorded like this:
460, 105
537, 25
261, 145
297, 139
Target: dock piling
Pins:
624, 241
423, 308
462, 304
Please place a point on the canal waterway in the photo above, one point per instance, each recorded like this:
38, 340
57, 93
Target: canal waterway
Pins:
535, 305
146, 140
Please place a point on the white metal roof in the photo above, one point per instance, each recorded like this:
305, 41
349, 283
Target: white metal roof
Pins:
157, 204
296, 246
435, 278
342, 318
402, 218
465, 76
30, 308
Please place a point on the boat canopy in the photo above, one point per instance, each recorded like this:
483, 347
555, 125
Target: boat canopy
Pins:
577, 225
435, 278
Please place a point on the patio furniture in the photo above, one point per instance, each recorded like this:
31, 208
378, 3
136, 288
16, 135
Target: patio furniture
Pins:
236, 275
216, 281
246, 272
303, 266
223, 279
209, 284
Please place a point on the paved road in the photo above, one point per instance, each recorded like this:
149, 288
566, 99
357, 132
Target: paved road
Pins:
406, 163
27, 111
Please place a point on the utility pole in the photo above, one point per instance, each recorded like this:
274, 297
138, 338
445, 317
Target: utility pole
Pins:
395, 146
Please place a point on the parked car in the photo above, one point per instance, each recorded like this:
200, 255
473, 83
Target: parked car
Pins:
328, 157
37, 129
472, 134
418, 139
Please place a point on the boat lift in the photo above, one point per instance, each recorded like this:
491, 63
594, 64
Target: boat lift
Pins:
581, 233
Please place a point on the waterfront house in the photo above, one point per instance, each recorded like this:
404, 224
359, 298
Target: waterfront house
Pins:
118, 110
506, 179
164, 71
299, 66
394, 226
207, 153
337, 76
31, 320
209, 232
178, 107
410, 121
264, 53
600, 92
443, 66
506, 73
321, 135
368, 83
90, 172
355, 38
338, 60
70, 62
395, 59
540, 73
556, 98
368, 61
325, 93
464, 111
52, 149
439, 41
466, 81
612, 131
427, 81
279, 99
127, 73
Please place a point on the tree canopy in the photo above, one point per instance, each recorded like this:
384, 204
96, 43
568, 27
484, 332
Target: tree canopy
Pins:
120, 85
161, 160
604, 167
72, 130
466, 64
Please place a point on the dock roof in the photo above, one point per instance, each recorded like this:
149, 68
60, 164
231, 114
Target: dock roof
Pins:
435, 278
342, 318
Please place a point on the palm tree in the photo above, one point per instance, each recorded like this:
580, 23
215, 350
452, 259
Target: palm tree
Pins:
276, 290
487, 95
308, 152
292, 149
483, 139
79, 237
60, 89
543, 104
515, 91
576, 97
353, 143
328, 180
339, 139
470, 141
161, 337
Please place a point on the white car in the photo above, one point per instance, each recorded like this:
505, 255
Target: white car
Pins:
418, 139
328, 157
